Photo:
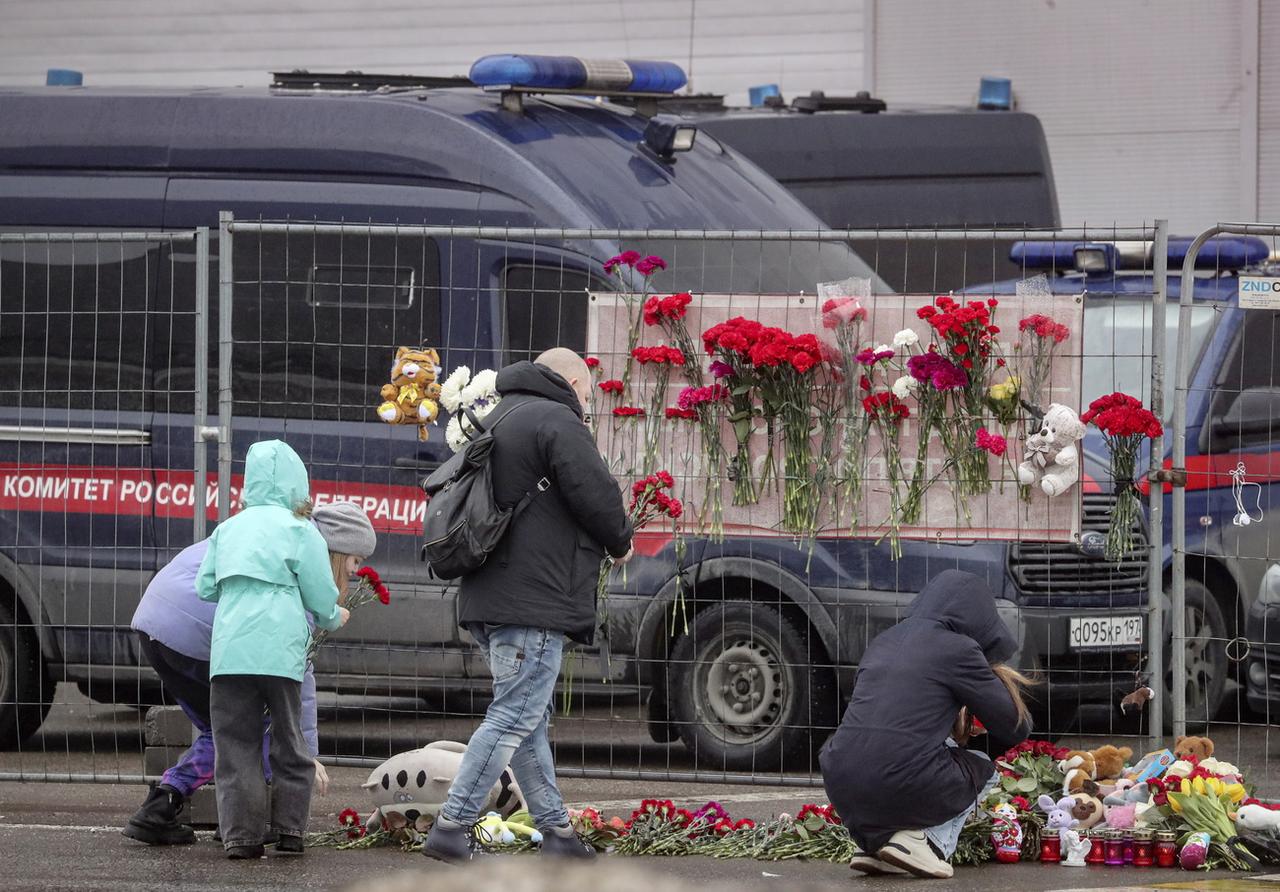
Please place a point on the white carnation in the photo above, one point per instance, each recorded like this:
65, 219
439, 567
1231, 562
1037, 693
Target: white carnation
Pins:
904, 387
481, 388
906, 338
884, 348
453, 434
451, 389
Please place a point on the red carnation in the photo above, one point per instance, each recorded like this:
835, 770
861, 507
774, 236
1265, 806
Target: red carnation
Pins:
611, 386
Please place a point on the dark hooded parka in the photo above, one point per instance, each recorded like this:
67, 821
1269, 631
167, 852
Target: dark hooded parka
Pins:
544, 571
888, 766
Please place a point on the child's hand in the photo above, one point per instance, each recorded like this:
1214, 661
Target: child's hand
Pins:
322, 779
343, 614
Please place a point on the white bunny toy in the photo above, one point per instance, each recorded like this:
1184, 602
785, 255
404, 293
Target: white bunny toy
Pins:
1074, 847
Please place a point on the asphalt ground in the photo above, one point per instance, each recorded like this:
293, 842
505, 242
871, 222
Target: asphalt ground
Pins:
66, 836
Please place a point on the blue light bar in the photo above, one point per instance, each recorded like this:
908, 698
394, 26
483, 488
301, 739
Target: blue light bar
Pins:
995, 93
1228, 252
63, 77
757, 95
1045, 255
1221, 252
572, 73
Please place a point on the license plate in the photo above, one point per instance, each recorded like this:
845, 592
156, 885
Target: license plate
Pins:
1104, 631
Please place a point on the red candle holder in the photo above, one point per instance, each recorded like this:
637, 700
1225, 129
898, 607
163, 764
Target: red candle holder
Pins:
1050, 847
1166, 847
1097, 848
1143, 848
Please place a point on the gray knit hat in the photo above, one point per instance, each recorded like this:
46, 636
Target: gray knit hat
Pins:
346, 528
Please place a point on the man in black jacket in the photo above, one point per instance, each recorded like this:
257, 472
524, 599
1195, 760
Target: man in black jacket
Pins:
898, 780
537, 587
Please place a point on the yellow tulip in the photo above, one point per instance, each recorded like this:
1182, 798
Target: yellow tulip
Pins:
1176, 805
1198, 787
1186, 787
1235, 791
1214, 785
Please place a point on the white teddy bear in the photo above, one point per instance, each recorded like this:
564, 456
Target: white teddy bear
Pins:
1051, 458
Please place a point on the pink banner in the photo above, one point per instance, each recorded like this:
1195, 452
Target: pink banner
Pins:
1003, 512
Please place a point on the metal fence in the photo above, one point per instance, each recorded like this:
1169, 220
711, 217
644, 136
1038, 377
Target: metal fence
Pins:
731, 658
1222, 474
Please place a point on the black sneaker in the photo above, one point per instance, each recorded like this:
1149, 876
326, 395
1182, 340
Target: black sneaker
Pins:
450, 842
290, 845
245, 853
563, 842
156, 822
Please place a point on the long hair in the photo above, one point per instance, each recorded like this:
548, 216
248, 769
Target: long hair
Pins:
1016, 684
338, 564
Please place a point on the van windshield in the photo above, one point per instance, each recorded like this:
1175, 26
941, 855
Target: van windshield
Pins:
754, 266
1117, 347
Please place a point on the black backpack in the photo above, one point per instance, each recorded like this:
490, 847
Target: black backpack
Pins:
463, 523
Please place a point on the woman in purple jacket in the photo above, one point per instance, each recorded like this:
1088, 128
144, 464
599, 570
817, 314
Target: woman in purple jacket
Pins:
174, 629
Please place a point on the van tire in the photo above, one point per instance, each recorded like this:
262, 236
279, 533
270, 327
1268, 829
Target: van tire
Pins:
1207, 667
745, 659
26, 692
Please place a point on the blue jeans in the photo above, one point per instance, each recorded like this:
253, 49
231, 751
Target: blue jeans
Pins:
525, 664
945, 837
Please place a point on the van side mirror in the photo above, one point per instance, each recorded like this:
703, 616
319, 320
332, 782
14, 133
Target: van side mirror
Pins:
1253, 413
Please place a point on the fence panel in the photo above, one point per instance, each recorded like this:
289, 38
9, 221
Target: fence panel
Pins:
1223, 471
728, 658
104, 387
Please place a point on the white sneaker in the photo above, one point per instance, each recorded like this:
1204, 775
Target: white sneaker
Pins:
872, 866
910, 850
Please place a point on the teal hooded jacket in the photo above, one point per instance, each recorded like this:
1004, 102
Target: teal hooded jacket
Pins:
266, 567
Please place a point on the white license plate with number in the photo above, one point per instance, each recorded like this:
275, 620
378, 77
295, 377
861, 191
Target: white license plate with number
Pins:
1104, 631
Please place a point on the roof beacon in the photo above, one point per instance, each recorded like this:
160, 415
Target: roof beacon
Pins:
516, 74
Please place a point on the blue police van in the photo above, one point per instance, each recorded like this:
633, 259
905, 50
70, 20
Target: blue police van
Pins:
1231, 411
97, 348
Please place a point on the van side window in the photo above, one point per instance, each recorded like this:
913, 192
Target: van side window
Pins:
73, 325
316, 320
1252, 364
545, 306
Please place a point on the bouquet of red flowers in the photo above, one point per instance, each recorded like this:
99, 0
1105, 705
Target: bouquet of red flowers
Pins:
368, 589
1040, 337
643, 267
669, 313
967, 335
1124, 423
649, 501
730, 344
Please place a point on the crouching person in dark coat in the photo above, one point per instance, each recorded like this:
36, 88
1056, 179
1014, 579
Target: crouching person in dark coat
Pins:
534, 590
893, 769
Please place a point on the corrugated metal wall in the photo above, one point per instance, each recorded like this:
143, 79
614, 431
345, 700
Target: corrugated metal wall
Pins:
1269, 113
1140, 100
733, 44
1143, 102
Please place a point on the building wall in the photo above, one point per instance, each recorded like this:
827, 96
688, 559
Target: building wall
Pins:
1140, 101
1151, 108
733, 44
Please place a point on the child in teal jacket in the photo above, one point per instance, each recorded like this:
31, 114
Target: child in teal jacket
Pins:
267, 567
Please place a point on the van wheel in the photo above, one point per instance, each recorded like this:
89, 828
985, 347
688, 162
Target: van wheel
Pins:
744, 694
26, 692
1206, 659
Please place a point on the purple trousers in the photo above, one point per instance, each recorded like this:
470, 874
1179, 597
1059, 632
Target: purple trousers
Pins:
187, 681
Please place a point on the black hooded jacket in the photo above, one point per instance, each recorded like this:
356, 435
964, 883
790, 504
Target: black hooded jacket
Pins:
888, 767
543, 573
